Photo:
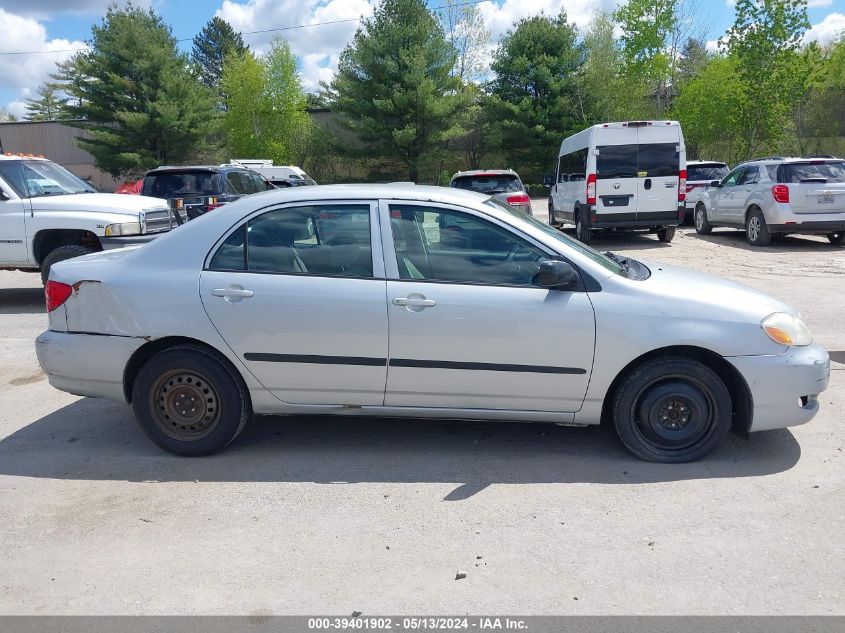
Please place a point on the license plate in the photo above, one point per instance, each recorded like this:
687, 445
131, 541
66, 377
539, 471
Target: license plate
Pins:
826, 198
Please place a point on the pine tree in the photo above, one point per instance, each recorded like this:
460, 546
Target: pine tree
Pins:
212, 45
49, 106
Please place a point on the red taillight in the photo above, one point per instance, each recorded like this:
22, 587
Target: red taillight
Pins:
591, 189
56, 293
682, 185
519, 200
212, 207
780, 193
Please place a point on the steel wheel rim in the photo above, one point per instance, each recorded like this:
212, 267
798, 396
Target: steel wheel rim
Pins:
673, 413
754, 228
184, 405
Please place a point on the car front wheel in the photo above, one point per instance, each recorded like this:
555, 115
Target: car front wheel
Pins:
189, 401
702, 225
672, 410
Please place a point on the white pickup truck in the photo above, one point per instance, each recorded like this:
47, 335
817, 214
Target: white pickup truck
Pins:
48, 215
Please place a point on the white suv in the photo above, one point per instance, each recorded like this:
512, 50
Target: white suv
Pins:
778, 196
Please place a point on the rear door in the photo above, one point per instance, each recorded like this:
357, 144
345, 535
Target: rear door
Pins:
616, 174
815, 186
658, 168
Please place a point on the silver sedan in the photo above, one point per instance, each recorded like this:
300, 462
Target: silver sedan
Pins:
419, 302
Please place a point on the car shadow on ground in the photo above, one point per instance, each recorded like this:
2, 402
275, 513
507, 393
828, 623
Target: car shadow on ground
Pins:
615, 240
22, 300
96, 440
788, 244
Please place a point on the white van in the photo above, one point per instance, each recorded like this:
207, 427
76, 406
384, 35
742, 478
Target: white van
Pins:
628, 175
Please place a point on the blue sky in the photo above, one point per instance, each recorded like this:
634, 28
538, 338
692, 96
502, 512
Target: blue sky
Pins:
58, 25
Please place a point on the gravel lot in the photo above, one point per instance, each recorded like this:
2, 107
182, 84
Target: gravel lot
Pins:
315, 516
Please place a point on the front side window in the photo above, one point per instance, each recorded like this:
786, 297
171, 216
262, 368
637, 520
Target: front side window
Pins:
447, 245
325, 240
732, 178
12, 173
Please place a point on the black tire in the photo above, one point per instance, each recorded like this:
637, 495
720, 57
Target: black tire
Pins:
172, 382
756, 231
672, 410
60, 254
552, 213
836, 238
666, 234
582, 233
702, 224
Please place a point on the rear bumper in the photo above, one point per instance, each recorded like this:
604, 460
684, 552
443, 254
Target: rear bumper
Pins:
784, 387
86, 364
641, 219
820, 226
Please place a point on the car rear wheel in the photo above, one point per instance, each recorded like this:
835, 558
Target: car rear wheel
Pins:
836, 238
666, 234
189, 401
756, 231
582, 232
702, 225
61, 254
672, 410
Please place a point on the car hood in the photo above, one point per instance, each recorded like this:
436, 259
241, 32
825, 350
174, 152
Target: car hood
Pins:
97, 202
689, 290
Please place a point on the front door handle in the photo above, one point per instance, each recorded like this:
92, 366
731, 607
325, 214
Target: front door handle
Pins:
231, 294
416, 302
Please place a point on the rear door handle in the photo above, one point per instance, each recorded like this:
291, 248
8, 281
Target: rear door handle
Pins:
232, 294
416, 302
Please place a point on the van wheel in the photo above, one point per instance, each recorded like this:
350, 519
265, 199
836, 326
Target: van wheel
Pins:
60, 254
836, 238
672, 410
189, 402
552, 213
666, 234
582, 233
756, 231
702, 225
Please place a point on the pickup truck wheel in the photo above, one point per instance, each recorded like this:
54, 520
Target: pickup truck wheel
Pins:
672, 410
582, 233
756, 230
702, 225
666, 234
60, 254
836, 238
189, 402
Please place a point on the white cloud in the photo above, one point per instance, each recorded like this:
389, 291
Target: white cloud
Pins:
814, 4
18, 108
24, 73
49, 9
829, 29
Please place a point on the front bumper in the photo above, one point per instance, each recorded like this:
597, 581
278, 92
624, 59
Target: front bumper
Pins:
784, 387
110, 243
86, 364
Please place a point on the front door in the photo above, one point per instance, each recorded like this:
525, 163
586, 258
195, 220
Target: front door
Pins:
298, 293
721, 197
467, 327
13, 210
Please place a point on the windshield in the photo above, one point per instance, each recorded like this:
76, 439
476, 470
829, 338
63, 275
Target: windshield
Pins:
583, 249
814, 171
489, 183
43, 178
708, 173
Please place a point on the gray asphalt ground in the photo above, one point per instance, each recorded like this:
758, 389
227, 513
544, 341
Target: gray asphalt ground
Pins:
316, 515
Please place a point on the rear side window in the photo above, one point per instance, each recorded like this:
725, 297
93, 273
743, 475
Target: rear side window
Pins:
811, 172
181, 184
489, 183
706, 173
573, 166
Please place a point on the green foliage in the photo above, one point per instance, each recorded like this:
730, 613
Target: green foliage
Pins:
394, 85
211, 46
265, 105
139, 101
535, 100
49, 106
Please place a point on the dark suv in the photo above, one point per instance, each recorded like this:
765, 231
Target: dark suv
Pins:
201, 189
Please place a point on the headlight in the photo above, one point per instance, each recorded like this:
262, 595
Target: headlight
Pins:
127, 228
786, 329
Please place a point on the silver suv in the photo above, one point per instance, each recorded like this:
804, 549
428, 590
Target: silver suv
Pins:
502, 184
777, 196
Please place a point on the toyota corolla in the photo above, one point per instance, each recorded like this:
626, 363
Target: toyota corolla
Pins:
422, 302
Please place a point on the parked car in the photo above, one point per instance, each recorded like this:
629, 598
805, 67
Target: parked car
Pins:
456, 305
629, 175
700, 174
48, 215
130, 187
502, 184
278, 175
202, 189
778, 196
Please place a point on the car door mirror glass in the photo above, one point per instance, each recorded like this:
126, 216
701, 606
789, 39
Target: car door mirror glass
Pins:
716, 183
554, 273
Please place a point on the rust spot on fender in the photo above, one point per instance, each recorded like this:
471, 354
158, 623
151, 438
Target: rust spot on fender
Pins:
84, 281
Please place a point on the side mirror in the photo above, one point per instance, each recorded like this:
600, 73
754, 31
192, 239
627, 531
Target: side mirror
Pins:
548, 180
716, 183
556, 274
4, 196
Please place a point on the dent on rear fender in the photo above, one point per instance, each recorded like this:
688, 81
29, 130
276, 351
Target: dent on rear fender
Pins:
94, 308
